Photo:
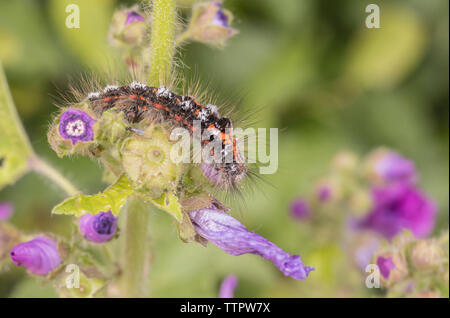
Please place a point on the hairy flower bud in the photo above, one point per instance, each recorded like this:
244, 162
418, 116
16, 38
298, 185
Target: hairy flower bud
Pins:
392, 266
426, 254
210, 23
40, 255
128, 28
146, 160
345, 162
99, 227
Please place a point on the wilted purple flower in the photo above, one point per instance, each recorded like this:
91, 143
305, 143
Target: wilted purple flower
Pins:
40, 255
385, 264
227, 287
98, 227
389, 166
230, 235
400, 206
300, 209
6, 210
76, 125
133, 16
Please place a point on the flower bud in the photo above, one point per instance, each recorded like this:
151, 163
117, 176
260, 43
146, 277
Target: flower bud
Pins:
6, 210
360, 201
426, 254
99, 227
345, 162
128, 28
146, 160
210, 24
393, 268
300, 209
386, 166
40, 255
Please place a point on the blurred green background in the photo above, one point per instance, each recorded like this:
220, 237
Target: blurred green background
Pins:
310, 67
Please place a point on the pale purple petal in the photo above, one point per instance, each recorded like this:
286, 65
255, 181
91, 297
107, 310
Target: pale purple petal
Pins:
76, 125
99, 227
385, 264
220, 18
391, 167
40, 255
230, 235
6, 211
228, 286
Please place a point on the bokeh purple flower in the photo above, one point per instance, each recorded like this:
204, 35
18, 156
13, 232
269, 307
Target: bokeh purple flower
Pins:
99, 227
385, 264
400, 206
228, 286
300, 209
76, 125
210, 23
133, 16
388, 166
231, 236
6, 210
40, 255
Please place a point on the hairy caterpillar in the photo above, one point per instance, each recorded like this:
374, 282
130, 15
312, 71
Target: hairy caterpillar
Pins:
139, 101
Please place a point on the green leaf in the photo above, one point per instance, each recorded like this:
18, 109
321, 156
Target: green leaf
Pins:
15, 148
112, 199
169, 202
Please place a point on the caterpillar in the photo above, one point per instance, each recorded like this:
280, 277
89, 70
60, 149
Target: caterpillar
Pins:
139, 101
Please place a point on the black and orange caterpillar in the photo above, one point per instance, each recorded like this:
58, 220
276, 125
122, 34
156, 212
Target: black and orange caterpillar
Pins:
139, 101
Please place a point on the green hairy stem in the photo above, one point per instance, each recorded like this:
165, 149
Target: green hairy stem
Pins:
162, 42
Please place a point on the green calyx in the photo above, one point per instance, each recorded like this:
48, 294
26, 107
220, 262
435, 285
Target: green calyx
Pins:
146, 160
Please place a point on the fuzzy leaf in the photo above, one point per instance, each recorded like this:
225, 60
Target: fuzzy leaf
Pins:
14, 145
112, 199
169, 202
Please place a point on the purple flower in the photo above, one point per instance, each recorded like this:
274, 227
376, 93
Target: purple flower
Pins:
227, 287
230, 235
385, 264
76, 125
389, 166
98, 227
133, 16
323, 193
400, 206
210, 23
40, 255
300, 209
6, 210
220, 18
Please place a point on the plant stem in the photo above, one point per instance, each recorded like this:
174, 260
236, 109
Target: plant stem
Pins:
43, 168
11, 114
162, 43
137, 251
